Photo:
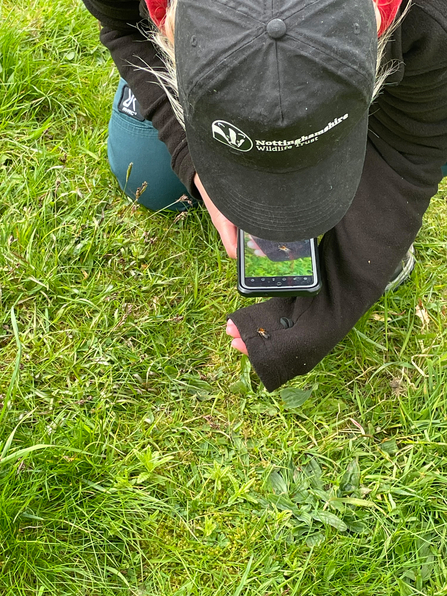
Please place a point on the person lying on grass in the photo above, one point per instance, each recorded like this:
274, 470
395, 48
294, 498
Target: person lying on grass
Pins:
291, 120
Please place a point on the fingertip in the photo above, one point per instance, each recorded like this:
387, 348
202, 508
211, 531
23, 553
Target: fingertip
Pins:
231, 327
239, 345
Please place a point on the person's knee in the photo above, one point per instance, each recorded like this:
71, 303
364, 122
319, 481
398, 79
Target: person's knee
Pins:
140, 161
143, 174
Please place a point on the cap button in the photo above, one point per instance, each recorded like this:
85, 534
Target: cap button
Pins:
276, 28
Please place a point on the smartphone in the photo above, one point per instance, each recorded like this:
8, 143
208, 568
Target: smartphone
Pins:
270, 268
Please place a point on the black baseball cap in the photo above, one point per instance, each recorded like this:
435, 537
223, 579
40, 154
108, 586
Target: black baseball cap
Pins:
275, 98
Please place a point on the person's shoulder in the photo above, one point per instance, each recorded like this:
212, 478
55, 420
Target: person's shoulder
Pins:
424, 34
426, 13
118, 13
436, 9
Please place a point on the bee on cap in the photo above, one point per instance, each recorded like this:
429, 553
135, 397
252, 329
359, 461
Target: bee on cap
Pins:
263, 333
284, 248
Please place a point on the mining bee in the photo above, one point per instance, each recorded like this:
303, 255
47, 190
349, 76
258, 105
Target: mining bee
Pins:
263, 333
284, 248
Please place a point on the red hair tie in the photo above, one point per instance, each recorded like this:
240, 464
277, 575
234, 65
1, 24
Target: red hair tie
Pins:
157, 11
388, 10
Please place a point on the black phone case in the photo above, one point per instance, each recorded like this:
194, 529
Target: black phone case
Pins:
273, 292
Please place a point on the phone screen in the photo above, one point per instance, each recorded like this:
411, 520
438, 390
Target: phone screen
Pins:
270, 264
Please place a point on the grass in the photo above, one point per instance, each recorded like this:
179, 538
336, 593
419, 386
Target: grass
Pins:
138, 453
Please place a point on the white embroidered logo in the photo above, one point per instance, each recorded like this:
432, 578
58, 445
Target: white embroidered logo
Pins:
130, 101
233, 137
230, 135
283, 145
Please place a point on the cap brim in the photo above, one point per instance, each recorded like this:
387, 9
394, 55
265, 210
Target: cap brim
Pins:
286, 206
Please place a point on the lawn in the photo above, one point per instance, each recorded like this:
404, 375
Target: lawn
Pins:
139, 454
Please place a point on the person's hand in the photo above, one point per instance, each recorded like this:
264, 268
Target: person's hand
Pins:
237, 341
227, 230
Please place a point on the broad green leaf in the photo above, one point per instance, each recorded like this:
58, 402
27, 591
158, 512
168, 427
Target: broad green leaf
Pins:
351, 478
245, 373
171, 371
193, 384
149, 418
283, 503
356, 526
410, 574
294, 398
300, 496
239, 388
313, 473
315, 539
321, 494
389, 446
329, 570
328, 518
338, 505
143, 477
427, 568
278, 483
199, 388
304, 517
355, 501
260, 408
404, 587
202, 395
153, 459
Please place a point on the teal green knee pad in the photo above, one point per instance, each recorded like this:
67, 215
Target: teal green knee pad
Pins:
139, 159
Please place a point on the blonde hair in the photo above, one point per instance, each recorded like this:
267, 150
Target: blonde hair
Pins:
385, 69
168, 78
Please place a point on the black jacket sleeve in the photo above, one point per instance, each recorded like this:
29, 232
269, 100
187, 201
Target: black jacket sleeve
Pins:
123, 25
407, 147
